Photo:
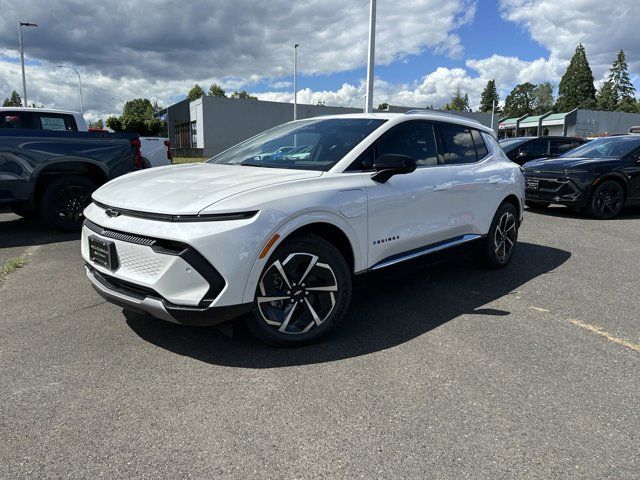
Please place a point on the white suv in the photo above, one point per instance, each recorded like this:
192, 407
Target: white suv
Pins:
277, 226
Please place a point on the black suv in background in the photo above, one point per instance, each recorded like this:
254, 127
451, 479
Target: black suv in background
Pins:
524, 149
600, 177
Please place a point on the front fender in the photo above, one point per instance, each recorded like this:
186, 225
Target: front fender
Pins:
356, 235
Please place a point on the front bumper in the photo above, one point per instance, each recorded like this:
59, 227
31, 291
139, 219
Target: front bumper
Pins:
134, 299
554, 189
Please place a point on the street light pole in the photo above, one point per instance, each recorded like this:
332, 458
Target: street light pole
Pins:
493, 112
371, 60
295, 81
79, 84
24, 79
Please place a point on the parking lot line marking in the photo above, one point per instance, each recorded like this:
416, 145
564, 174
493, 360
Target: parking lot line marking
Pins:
599, 331
538, 309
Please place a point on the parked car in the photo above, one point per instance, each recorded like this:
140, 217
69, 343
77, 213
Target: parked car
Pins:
600, 177
51, 174
280, 238
156, 151
524, 149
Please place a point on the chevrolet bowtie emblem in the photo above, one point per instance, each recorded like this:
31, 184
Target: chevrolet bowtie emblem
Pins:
110, 212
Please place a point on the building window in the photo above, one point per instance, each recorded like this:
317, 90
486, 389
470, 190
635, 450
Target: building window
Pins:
194, 135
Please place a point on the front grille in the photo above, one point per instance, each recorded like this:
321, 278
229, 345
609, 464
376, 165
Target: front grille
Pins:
124, 237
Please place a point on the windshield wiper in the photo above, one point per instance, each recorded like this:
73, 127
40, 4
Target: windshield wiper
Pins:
254, 163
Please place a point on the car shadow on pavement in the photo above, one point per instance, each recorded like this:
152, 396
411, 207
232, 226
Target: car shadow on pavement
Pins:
20, 232
627, 213
386, 310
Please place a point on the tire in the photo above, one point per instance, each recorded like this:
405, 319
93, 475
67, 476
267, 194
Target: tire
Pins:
25, 211
64, 200
497, 249
606, 201
299, 314
536, 205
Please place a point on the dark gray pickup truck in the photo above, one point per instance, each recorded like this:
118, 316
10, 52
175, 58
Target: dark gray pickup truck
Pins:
50, 175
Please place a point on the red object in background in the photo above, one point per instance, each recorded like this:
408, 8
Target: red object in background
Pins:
137, 156
167, 144
99, 130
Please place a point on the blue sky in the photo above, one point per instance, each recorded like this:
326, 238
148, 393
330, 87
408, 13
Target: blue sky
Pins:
487, 34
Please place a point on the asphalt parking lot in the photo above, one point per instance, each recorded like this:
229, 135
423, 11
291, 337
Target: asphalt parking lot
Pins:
448, 372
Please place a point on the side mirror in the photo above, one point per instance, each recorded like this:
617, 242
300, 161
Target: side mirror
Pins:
388, 165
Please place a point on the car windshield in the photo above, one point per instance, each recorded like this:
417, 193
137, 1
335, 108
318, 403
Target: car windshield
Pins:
605, 147
314, 144
511, 143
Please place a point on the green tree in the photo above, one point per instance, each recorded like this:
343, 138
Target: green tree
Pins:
606, 98
137, 117
114, 124
542, 98
243, 95
383, 107
98, 124
195, 93
13, 101
459, 102
489, 96
621, 84
519, 100
576, 89
216, 90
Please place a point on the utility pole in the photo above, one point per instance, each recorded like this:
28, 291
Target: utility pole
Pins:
371, 60
295, 81
24, 79
493, 112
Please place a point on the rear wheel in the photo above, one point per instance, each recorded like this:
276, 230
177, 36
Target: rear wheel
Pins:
497, 249
64, 201
606, 201
536, 205
303, 292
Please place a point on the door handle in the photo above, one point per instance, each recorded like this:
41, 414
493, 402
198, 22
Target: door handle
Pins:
443, 186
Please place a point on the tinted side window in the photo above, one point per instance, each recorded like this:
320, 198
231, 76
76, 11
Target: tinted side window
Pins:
52, 121
558, 147
415, 139
14, 120
535, 148
458, 144
481, 148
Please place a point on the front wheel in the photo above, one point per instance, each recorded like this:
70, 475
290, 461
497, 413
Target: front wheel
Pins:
303, 292
497, 249
606, 201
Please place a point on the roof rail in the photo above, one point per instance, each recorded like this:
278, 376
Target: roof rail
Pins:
440, 113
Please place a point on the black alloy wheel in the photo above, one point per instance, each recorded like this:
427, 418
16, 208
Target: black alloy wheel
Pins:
607, 200
64, 201
304, 290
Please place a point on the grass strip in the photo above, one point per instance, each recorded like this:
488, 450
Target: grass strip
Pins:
11, 266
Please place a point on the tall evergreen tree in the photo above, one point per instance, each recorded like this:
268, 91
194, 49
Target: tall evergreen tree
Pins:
607, 98
13, 101
576, 89
621, 84
489, 96
459, 102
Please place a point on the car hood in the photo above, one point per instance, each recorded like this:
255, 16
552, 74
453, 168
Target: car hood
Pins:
188, 189
561, 164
